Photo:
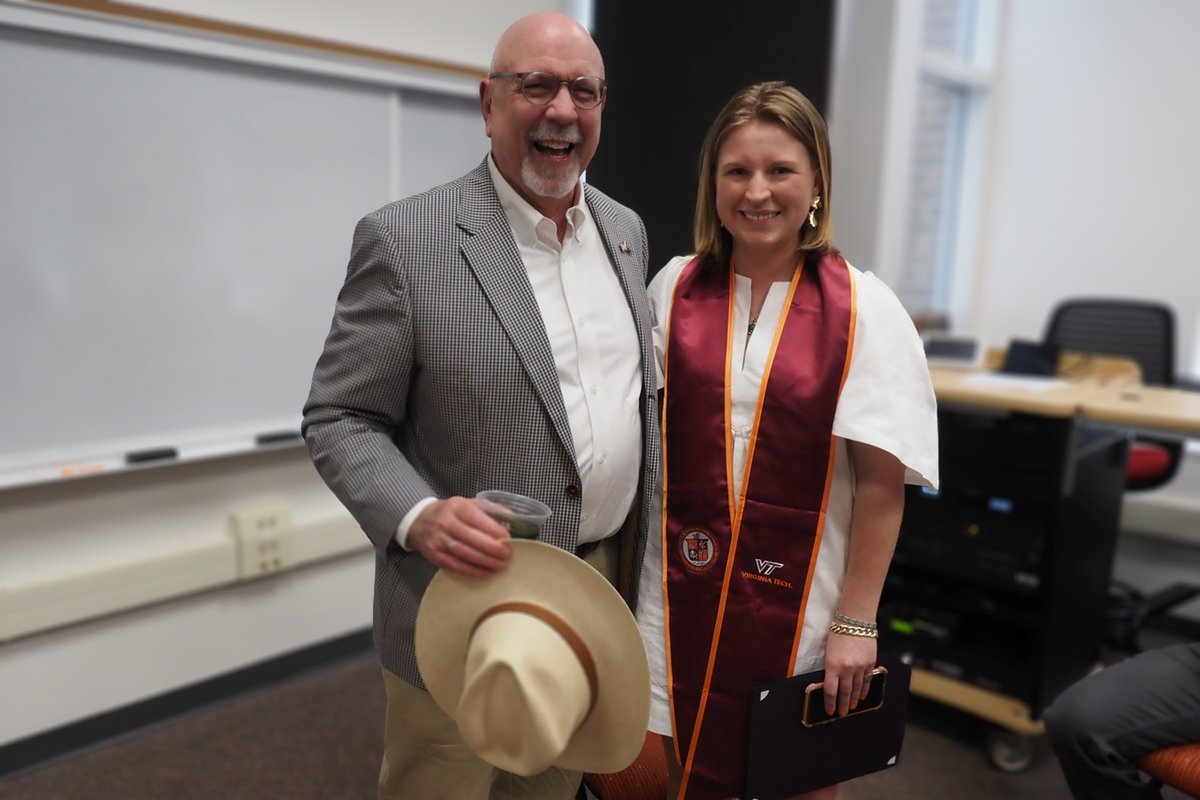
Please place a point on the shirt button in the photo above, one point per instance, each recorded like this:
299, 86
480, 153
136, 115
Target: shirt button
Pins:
572, 491
595, 391
603, 459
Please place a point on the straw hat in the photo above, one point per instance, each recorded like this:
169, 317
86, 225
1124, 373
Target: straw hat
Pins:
541, 664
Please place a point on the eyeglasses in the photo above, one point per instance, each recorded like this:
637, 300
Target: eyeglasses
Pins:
540, 88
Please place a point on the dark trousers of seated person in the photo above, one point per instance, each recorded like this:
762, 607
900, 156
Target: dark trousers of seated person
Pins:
1102, 725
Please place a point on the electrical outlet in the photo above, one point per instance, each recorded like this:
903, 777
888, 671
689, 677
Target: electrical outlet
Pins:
264, 536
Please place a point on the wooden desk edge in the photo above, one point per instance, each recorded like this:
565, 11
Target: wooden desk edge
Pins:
1153, 409
1029, 404
1150, 409
1007, 712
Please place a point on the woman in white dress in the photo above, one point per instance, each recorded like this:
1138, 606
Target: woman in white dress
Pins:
797, 404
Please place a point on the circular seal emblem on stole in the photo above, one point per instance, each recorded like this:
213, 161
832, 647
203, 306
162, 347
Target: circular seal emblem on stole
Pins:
698, 549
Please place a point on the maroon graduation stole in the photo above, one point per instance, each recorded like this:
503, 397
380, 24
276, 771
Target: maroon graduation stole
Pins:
738, 568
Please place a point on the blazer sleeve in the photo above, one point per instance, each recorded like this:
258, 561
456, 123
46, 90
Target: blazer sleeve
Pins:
360, 388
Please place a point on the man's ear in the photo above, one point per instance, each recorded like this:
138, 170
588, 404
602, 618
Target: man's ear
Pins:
485, 105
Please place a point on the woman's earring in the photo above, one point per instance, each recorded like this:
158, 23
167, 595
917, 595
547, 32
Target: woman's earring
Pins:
812, 211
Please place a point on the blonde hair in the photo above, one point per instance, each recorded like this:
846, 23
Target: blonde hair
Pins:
776, 103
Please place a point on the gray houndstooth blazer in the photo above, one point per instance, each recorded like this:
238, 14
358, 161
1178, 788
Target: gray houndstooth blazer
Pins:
437, 379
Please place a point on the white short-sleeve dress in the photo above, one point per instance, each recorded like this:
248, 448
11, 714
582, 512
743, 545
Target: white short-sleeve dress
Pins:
887, 401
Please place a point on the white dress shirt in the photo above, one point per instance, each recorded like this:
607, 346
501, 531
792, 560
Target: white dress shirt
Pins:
590, 327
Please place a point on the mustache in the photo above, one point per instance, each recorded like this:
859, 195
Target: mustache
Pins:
553, 131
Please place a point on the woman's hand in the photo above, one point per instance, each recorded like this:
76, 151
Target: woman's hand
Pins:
848, 664
874, 526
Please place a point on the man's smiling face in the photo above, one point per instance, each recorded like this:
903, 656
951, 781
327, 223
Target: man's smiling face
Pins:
542, 150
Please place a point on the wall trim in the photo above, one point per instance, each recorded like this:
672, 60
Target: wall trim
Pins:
69, 18
112, 8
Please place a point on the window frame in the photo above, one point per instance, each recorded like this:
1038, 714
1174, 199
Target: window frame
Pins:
951, 292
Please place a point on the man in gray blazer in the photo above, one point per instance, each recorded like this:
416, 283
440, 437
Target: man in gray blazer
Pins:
492, 333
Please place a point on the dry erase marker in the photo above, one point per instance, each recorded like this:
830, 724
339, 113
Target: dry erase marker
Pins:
277, 437
156, 454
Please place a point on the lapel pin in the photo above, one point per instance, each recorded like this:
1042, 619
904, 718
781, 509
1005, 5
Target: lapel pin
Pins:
625, 247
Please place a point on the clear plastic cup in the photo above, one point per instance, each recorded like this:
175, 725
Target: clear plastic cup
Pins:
523, 516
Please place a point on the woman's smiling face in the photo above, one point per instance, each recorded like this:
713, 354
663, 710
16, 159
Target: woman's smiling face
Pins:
765, 186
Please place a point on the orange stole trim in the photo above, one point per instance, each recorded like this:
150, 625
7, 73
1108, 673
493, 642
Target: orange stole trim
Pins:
668, 549
663, 526
733, 507
791, 494
812, 566
733, 523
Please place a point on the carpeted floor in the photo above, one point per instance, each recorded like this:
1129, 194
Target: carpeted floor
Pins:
318, 737
315, 737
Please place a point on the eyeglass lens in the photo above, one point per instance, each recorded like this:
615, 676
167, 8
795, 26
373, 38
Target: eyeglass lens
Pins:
542, 87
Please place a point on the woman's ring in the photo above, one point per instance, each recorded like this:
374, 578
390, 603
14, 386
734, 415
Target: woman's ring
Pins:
450, 545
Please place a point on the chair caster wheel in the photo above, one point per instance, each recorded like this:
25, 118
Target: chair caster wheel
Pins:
1009, 751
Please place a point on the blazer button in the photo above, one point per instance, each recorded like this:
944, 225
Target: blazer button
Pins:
572, 490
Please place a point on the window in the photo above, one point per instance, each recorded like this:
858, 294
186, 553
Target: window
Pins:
956, 52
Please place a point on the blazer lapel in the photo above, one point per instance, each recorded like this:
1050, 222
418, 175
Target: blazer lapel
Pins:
492, 254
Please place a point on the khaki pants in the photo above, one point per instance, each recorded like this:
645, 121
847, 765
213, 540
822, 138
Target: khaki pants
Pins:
425, 758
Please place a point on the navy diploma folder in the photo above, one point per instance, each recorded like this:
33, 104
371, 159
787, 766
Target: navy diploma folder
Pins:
794, 747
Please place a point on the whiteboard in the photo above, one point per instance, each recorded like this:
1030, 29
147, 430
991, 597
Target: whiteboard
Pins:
173, 233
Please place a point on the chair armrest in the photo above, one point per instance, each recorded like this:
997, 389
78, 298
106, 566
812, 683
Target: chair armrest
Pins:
1163, 600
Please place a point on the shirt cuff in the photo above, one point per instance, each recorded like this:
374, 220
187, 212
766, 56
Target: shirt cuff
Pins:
401, 536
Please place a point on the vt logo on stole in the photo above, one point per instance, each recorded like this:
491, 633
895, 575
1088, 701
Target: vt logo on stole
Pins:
766, 567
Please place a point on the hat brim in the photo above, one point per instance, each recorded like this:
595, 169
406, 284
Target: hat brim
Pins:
611, 737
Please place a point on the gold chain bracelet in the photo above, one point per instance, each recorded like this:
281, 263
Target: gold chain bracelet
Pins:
854, 630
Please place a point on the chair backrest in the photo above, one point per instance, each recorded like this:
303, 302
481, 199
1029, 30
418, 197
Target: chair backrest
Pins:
1141, 330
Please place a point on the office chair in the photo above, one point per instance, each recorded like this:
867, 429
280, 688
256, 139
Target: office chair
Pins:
1143, 331
1175, 766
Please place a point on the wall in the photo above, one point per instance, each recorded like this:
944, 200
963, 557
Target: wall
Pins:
1092, 187
1088, 188
872, 100
68, 533
68, 536
1093, 176
1088, 185
1089, 180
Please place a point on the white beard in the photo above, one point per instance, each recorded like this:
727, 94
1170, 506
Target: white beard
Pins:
555, 182
551, 180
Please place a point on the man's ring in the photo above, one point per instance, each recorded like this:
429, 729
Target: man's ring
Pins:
450, 545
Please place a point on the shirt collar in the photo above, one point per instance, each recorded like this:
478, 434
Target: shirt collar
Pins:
525, 219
